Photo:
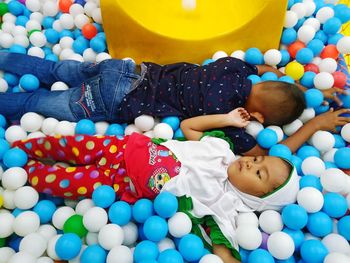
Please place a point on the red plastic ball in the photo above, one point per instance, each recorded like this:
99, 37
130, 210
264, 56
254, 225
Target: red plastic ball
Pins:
330, 51
295, 47
89, 31
312, 67
64, 5
339, 79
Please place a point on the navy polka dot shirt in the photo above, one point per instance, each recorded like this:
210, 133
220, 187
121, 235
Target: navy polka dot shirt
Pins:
187, 90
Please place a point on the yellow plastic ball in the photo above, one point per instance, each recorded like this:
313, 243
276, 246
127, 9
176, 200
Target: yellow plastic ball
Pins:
295, 70
1, 201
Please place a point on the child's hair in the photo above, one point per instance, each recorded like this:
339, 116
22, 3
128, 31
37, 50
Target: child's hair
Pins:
283, 102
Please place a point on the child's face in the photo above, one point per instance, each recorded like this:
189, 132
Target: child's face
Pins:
258, 175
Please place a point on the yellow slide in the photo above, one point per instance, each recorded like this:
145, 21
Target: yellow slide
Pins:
346, 31
163, 31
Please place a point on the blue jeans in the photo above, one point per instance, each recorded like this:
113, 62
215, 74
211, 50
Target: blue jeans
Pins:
95, 93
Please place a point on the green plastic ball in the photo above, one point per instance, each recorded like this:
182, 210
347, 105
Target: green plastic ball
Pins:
74, 224
2, 242
3, 9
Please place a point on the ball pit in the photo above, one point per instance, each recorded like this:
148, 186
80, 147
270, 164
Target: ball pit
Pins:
32, 224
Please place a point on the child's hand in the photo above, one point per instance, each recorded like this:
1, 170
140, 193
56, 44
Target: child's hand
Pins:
238, 118
333, 93
328, 121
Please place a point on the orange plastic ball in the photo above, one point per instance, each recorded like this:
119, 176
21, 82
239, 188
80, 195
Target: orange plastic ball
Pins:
330, 51
295, 47
311, 67
89, 31
339, 79
64, 5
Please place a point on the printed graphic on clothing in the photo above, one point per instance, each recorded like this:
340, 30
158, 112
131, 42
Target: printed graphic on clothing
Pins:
158, 179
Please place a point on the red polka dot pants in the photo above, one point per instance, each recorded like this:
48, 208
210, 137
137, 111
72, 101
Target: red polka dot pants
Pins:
92, 161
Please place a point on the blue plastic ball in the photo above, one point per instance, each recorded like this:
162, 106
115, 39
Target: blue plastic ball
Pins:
254, 79
155, 228
165, 204
304, 55
334, 205
51, 57
207, 61
307, 79
297, 236
141, 233
120, 213
172, 121
47, 22
299, 23
93, 254
290, 4
297, 163
52, 36
269, 76
244, 254
85, 126
313, 97
281, 150
310, 181
179, 134
287, 79
344, 227
321, 109
12, 80
294, 216
191, 247
15, 8
330, 165
321, 36
285, 58
145, 250
170, 256
313, 251
142, 210
14, 242
333, 40
98, 44
332, 25
254, 56
307, 151
66, 33
319, 224
289, 35
2, 133
345, 99
103, 196
17, 49
15, 157
80, 45
68, 246
266, 138
342, 12
261, 256
339, 141
316, 46
4, 147
288, 260
45, 210
341, 158
115, 129
21, 21
29, 82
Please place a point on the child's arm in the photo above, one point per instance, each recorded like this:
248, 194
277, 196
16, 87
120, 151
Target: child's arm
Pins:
193, 128
266, 68
224, 253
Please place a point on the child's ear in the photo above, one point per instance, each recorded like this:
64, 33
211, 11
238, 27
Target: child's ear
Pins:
257, 116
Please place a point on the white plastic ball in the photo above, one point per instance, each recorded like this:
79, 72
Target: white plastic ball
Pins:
21, 40
25, 223
211, 258
189, 5
248, 218
97, 16
313, 166
36, 52
45, 260
6, 224
91, 238
102, 56
179, 225
48, 125
60, 216
343, 45
89, 55
3, 85
336, 257
66, 42
22, 257
34, 244
238, 54
66, 53
219, 54
165, 244
8, 27
272, 57
280, 245
336, 243
6, 40
71, 203
323, 80
8, 17
130, 129
26, 197
33, 25
49, 8
333, 180
76, 9
248, 237
59, 85
299, 9
310, 8
67, 21
164, 131
47, 231
270, 221
323, 141
130, 233
291, 19
253, 128
292, 127
31, 121
324, 13
278, 131
37, 16
311, 199
89, 7
328, 65
83, 206
120, 254
329, 155
345, 132
8, 196
76, 57
56, 49
51, 251
15, 133
144, 122
14, 178
80, 20
306, 33
6, 253
64, 128
36, 134
307, 115
57, 25
316, 61
38, 39
110, 235
94, 219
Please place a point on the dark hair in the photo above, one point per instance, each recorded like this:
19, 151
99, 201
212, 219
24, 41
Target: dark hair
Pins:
282, 102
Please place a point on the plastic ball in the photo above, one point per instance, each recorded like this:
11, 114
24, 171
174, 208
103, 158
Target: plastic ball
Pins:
294, 70
294, 216
6, 223
336, 257
45, 210
74, 224
31, 121
172, 121
145, 250
313, 165
292, 127
64, 5
6, 252
164, 131
51, 252
219, 54
248, 237
343, 45
191, 247
331, 52
345, 132
144, 122
254, 56
270, 221
269, 76
289, 35
333, 180
323, 141
14, 133
29, 82
142, 210
103, 196
210, 258
324, 13
311, 199
94, 219
334, 205
291, 19
64, 128
130, 129
339, 79
26, 197
34, 244
170, 255
207, 61
260, 255
324, 80
272, 57
120, 213
304, 55
25, 223
311, 67
341, 158
115, 129
332, 25
93, 254
310, 181
328, 65
61, 215
165, 204
155, 228
22, 256
130, 233
254, 128
111, 235
85, 127
15, 157
14, 178
280, 245
313, 97
343, 227
306, 33
313, 251
247, 218
179, 225
319, 224
267, 137
119, 254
